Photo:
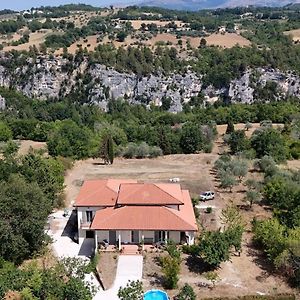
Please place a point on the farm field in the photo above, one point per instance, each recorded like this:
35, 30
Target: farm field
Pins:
136, 24
89, 42
227, 40
246, 274
220, 40
8, 38
35, 38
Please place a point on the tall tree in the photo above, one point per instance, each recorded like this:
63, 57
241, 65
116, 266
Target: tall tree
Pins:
23, 213
107, 149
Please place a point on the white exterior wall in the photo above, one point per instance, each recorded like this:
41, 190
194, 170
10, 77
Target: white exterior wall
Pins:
174, 236
102, 235
83, 210
81, 218
191, 237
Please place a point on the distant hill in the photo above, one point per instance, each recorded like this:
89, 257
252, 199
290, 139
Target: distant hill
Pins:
203, 4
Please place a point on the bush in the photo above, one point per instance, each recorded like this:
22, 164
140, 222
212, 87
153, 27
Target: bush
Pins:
142, 150
5, 132
129, 151
207, 148
71, 140
170, 268
172, 249
238, 142
208, 210
214, 248
269, 142
191, 249
155, 152
264, 163
186, 293
132, 291
230, 127
295, 150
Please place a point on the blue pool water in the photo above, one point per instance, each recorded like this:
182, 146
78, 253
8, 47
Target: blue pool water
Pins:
155, 295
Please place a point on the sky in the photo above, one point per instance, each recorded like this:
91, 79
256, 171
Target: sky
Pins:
26, 4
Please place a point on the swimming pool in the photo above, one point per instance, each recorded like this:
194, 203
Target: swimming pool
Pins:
156, 295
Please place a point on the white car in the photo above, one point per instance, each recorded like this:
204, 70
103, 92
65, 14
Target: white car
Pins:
174, 179
208, 195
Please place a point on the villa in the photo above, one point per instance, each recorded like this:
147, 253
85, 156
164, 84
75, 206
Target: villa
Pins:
121, 212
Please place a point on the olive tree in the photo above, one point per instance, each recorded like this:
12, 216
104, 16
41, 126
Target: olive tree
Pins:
186, 293
132, 291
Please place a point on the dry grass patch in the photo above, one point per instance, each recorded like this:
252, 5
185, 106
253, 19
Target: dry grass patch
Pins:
294, 33
227, 40
90, 42
107, 268
27, 145
9, 38
241, 126
35, 38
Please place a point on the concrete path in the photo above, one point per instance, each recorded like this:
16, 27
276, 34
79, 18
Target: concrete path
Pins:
130, 267
64, 246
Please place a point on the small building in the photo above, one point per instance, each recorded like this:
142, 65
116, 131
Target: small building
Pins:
121, 212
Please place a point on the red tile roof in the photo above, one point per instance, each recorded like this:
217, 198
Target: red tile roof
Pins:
149, 194
147, 217
100, 192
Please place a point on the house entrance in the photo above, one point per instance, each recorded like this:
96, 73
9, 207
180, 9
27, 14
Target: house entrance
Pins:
90, 234
161, 236
135, 236
112, 237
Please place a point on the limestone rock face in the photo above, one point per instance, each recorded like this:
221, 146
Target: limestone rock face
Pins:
51, 77
109, 83
243, 89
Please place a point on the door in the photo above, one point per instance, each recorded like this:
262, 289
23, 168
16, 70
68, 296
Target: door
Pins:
112, 237
163, 236
156, 236
90, 234
135, 237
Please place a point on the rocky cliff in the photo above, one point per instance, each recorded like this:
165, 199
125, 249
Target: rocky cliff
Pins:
47, 77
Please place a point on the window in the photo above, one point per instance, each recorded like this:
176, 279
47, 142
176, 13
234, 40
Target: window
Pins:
89, 216
163, 235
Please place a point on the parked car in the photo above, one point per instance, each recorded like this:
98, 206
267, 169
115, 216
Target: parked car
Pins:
208, 195
175, 179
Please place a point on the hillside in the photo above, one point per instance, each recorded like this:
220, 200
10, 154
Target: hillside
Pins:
152, 56
205, 4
